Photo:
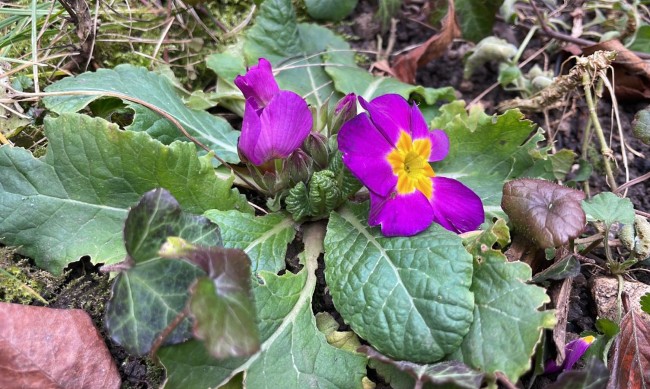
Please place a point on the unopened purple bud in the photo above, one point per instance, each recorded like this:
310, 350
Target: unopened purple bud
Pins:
345, 110
315, 146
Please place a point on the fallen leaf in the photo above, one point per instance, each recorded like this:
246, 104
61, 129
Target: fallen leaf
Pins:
631, 368
52, 348
632, 74
407, 64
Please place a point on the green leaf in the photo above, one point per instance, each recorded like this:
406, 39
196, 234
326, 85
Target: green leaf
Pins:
595, 375
146, 120
567, 267
264, 238
641, 122
293, 353
296, 50
359, 81
507, 323
485, 151
492, 49
147, 297
331, 10
449, 374
641, 39
609, 208
74, 201
221, 304
645, 303
476, 17
408, 297
136, 84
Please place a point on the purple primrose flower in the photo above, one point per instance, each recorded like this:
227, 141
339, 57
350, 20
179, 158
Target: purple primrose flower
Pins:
276, 122
389, 149
573, 351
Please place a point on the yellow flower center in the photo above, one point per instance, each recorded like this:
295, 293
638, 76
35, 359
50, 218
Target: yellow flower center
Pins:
410, 164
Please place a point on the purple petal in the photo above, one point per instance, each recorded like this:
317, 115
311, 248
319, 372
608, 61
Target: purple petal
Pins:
364, 153
250, 132
439, 145
258, 84
391, 114
285, 123
574, 351
401, 215
456, 207
419, 127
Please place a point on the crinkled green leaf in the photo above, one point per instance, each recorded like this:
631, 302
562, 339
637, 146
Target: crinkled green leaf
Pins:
74, 201
264, 238
594, 376
609, 208
476, 17
507, 323
408, 297
131, 82
153, 291
221, 304
331, 10
296, 50
485, 151
293, 353
545, 212
449, 374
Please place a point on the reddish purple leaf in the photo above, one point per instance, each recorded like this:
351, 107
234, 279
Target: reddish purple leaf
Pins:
546, 213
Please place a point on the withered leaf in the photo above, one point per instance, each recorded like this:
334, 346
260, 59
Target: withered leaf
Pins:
407, 64
546, 213
52, 348
631, 368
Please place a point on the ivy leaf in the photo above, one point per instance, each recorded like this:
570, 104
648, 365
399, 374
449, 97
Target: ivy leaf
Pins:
408, 297
594, 376
293, 353
631, 367
485, 151
507, 324
546, 213
565, 268
476, 17
147, 297
264, 239
137, 84
449, 374
73, 202
609, 208
296, 50
220, 304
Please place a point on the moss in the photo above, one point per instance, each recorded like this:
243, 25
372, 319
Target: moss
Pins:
22, 283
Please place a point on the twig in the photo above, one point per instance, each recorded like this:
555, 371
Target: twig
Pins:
160, 339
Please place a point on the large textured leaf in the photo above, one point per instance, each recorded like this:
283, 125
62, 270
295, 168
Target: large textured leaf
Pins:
408, 297
74, 201
293, 353
136, 83
507, 324
295, 50
149, 295
264, 239
53, 348
545, 212
487, 150
631, 367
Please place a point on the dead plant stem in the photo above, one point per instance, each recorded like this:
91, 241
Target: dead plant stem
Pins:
604, 148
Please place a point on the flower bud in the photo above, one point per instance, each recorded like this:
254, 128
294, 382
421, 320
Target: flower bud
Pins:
297, 168
345, 110
315, 146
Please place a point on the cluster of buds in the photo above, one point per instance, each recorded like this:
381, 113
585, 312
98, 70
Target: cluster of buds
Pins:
281, 143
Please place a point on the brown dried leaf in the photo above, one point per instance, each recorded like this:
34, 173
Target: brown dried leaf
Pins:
407, 64
52, 348
631, 367
632, 74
